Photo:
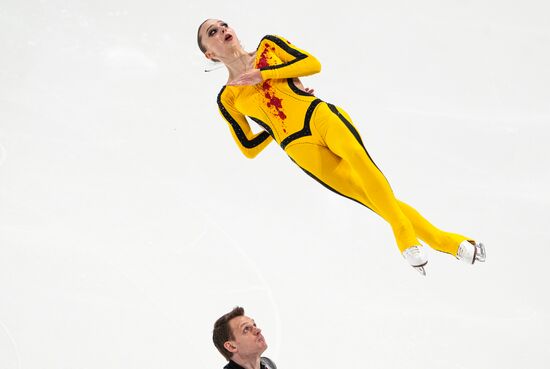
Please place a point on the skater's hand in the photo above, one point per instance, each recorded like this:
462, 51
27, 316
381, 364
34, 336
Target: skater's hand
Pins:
251, 77
299, 84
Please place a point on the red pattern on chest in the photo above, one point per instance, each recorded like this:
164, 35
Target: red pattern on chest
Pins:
274, 103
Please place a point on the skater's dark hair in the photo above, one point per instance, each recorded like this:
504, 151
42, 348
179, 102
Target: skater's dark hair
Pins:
199, 38
222, 331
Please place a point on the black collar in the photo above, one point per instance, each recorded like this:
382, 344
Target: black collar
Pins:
233, 365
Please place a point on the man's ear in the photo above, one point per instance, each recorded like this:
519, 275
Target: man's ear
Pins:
230, 347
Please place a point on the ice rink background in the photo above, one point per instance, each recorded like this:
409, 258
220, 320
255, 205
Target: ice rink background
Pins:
129, 220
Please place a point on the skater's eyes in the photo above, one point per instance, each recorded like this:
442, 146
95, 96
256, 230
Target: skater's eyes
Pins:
213, 31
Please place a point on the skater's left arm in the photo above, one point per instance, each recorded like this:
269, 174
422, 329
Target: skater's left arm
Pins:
296, 63
250, 144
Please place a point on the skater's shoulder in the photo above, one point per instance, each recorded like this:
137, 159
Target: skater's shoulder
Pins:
267, 363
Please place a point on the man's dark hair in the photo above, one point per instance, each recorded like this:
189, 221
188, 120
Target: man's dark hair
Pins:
222, 331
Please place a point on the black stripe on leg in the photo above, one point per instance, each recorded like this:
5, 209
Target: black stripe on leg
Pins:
329, 187
353, 131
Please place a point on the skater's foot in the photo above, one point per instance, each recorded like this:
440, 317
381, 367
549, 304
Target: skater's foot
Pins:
469, 251
416, 257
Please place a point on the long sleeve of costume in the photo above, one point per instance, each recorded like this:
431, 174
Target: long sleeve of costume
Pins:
249, 143
296, 62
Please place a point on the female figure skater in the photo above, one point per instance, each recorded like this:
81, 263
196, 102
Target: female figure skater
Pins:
319, 137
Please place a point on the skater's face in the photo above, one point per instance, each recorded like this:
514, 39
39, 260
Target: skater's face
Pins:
218, 40
248, 340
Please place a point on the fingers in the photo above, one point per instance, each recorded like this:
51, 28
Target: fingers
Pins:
239, 81
235, 82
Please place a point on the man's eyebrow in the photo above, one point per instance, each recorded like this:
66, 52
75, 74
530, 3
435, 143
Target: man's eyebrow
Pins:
243, 323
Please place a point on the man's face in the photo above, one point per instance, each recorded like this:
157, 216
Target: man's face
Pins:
248, 340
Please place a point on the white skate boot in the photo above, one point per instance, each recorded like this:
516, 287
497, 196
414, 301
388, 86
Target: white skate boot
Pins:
470, 251
416, 257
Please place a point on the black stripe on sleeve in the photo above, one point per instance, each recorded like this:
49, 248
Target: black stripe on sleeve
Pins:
264, 126
283, 45
244, 141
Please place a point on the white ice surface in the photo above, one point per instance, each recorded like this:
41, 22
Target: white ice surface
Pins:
129, 220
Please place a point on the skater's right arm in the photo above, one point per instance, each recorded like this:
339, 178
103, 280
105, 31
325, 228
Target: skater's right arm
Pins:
250, 144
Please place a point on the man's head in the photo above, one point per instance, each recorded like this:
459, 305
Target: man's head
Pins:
237, 336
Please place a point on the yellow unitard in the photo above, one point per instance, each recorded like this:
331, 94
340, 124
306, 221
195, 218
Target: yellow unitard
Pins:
320, 138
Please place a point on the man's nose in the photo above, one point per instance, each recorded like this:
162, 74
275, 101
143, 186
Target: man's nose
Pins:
258, 331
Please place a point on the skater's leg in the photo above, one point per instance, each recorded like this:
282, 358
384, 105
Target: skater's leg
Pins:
437, 239
330, 170
343, 140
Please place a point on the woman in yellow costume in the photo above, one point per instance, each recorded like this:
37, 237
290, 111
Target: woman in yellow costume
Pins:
319, 137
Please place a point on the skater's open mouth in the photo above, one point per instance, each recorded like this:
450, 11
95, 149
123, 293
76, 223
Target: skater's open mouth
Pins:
228, 37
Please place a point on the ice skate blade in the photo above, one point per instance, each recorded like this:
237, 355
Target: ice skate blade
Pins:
470, 251
420, 269
481, 255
